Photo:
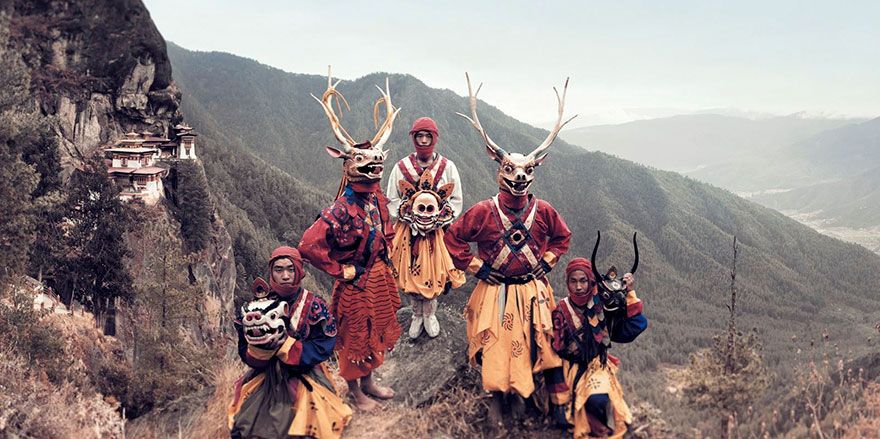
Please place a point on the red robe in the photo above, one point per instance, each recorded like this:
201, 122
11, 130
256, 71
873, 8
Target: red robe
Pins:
509, 326
351, 241
550, 237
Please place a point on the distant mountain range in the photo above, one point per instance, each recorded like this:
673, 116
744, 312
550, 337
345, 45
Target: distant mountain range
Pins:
264, 126
686, 143
852, 201
818, 168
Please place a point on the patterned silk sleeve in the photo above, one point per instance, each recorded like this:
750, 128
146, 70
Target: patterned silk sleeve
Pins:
317, 340
562, 336
633, 324
315, 247
385, 214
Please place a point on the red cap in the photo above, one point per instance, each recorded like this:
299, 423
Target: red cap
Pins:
292, 254
425, 124
582, 264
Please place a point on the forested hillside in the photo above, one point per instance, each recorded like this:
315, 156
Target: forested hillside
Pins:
853, 201
685, 227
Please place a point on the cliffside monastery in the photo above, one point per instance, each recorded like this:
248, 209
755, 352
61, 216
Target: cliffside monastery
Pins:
134, 162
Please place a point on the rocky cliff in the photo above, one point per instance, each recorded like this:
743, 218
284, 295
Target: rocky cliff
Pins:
100, 69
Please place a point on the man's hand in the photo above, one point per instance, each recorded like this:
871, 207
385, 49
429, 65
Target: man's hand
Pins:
541, 270
490, 275
629, 281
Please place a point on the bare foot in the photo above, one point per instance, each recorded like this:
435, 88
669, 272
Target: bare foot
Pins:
363, 402
371, 388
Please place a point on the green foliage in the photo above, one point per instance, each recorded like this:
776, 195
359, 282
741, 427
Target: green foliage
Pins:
167, 362
98, 220
18, 180
193, 205
29, 172
17, 223
260, 122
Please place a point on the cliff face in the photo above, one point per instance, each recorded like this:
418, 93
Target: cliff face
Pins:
100, 69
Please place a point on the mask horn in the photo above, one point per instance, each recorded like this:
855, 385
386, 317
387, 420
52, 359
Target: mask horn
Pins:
600, 281
636, 246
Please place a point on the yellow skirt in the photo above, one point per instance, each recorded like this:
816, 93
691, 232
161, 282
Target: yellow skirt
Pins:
320, 413
426, 273
501, 321
595, 381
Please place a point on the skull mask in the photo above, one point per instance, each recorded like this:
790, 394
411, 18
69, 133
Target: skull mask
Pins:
516, 171
423, 208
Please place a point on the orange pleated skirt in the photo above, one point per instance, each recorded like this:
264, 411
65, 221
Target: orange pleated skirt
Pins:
367, 321
504, 331
426, 270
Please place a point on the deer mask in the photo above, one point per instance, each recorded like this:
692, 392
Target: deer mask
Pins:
364, 161
516, 171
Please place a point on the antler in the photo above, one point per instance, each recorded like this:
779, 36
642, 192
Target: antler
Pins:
475, 120
326, 102
390, 114
539, 152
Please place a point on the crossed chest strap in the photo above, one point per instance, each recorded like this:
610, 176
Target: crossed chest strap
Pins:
515, 237
412, 171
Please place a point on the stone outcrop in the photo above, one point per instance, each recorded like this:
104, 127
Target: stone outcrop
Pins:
100, 70
99, 66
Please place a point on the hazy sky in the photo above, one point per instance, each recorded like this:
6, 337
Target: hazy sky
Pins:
626, 59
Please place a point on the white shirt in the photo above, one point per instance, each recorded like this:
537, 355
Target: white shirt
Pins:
450, 175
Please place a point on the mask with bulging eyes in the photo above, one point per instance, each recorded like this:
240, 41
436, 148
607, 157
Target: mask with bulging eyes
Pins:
516, 171
363, 161
424, 208
613, 291
265, 321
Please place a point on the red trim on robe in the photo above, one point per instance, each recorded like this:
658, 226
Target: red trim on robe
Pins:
634, 309
294, 354
549, 234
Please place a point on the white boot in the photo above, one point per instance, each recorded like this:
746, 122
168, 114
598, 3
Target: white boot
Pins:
432, 325
415, 327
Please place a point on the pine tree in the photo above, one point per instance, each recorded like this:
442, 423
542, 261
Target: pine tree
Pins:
194, 205
727, 377
95, 265
17, 179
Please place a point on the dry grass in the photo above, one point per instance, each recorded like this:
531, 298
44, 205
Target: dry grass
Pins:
211, 423
867, 423
201, 418
456, 412
31, 406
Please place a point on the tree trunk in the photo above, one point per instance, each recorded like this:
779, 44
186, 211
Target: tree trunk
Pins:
731, 324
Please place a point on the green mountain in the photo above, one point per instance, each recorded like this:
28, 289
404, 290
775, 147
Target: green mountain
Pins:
686, 228
789, 277
828, 155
